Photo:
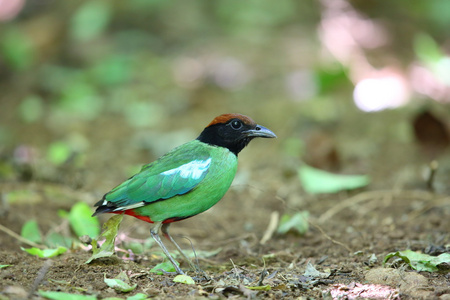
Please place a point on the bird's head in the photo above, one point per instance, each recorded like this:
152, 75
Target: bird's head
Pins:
233, 131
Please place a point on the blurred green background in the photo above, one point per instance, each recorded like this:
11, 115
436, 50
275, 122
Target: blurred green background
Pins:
90, 90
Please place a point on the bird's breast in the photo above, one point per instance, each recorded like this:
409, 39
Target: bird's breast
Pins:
222, 167
220, 174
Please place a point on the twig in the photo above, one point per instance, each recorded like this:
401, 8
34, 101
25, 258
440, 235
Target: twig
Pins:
20, 238
433, 165
273, 223
320, 228
40, 276
440, 202
231, 240
349, 202
330, 238
264, 273
235, 270
374, 195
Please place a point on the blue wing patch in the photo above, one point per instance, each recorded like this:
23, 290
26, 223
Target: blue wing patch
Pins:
144, 188
180, 180
192, 170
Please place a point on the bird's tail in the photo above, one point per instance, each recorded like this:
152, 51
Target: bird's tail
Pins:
103, 207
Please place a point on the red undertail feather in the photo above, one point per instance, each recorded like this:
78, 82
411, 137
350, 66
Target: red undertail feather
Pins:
132, 213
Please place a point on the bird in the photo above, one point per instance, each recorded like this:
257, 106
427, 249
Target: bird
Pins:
186, 181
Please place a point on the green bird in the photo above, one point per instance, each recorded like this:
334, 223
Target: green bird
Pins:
187, 180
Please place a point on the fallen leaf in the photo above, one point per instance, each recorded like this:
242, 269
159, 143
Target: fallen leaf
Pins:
82, 222
118, 284
138, 296
312, 272
420, 261
65, 296
431, 134
298, 222
30, 231
315, 181
260, 288
184, 279
164, 266
45, 253
110, 229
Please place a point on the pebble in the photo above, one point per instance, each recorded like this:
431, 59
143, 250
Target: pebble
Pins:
409, 283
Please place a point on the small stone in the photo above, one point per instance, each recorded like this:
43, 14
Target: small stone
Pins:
410, 283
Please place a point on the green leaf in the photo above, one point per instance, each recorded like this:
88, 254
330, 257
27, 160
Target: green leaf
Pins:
165, 266
110, 229
112, 70
138, 296
315, 181
17, 49
298, 222
63, 214
65, 296
135, 247
80, 99
184, 279
30, 231
55, 239
331, 77
45, 253
90, 20
427, 49
58, 153
82, 222
23, 197
420, 261
119, 284
259, 288
4, 266
31, 109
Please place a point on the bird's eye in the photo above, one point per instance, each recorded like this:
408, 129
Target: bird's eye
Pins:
236, 124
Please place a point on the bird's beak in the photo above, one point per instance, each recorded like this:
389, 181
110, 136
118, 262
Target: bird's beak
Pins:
260, 131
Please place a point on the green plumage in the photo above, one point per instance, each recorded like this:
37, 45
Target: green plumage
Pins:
186, 181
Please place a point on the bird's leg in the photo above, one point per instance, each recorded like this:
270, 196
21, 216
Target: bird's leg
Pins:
154, 232
165, 231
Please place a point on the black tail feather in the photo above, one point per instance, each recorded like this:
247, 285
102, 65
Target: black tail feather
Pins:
103, 208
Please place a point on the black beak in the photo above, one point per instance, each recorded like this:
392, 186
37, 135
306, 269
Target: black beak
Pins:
260, 131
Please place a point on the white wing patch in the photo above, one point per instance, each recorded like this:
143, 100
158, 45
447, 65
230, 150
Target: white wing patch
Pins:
131, 206
193, 169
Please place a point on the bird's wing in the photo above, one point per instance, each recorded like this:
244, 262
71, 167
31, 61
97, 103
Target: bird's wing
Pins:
175, 173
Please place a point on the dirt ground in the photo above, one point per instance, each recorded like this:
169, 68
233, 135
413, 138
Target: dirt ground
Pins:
347, 231
119, 93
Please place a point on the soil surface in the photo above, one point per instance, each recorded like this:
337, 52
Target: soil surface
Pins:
83, 107
349, 233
